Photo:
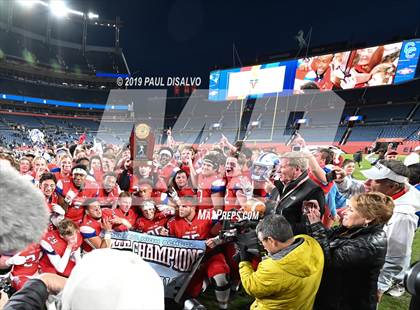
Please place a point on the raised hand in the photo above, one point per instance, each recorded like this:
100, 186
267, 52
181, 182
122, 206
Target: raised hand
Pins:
164, 232
247, 187
314, 216
106, 224
174, 195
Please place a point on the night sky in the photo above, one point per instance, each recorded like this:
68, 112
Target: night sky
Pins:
191, 37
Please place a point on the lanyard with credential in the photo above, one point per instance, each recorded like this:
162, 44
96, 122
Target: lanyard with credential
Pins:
294, 188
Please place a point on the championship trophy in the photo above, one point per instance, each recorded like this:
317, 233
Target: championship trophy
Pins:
142, 143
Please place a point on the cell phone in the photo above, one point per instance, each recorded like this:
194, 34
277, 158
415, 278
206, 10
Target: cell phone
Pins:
331, 176
296, 148
307, 206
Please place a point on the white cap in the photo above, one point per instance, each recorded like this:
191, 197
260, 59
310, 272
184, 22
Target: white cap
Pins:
379, 172
417, 148
411, 159
167, 152
113, 279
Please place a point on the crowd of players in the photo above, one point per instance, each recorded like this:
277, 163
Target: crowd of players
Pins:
91, 191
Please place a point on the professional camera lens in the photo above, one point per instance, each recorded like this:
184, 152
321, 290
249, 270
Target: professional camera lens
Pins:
412, 280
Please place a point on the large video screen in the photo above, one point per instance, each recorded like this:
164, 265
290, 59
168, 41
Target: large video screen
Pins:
373, 66
252, 82
365, 67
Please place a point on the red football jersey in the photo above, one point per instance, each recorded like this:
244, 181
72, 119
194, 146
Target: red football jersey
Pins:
166, 172
97, 174
52, 244
75, 197
65, 179
196, 229
20, 274
186, 191
160, 186
108, 199
133, 183
151, 227
32, 253
130, 216
91, 228
52, 200
49, 204
206, 187
185, 168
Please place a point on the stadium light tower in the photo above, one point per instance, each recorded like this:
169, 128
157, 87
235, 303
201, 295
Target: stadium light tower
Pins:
92, 15
58, 8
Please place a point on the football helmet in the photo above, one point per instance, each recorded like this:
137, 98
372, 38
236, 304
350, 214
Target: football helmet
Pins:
264, 166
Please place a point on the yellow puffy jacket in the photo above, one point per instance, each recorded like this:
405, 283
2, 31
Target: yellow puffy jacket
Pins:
290, 282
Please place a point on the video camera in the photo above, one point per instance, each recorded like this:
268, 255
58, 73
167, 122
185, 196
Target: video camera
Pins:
412, 285
6, 285
243, 232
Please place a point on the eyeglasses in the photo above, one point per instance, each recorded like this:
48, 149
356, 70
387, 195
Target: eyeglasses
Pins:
260, 242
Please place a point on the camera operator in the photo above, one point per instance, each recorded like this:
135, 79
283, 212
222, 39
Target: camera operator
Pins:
290, 276
293, 188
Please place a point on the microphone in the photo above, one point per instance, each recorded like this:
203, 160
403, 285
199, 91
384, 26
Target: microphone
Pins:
24, 216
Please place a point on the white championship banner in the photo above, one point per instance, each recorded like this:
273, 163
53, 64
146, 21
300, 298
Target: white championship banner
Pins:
172, 258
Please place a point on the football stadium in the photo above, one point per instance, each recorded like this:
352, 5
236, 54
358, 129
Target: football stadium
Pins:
190, 154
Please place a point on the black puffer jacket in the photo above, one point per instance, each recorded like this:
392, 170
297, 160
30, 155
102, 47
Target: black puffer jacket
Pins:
353, 259
32, 296
289, 204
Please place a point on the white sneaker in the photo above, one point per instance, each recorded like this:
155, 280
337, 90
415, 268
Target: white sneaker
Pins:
193, 304
396, 291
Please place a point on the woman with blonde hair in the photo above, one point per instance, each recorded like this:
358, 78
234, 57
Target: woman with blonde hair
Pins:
354, 253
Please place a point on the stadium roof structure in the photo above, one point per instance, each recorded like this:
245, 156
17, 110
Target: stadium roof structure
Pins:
47, 11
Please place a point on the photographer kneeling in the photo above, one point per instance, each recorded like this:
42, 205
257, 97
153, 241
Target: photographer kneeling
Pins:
290, 276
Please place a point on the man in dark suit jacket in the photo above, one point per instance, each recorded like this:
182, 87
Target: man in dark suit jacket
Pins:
293, 188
